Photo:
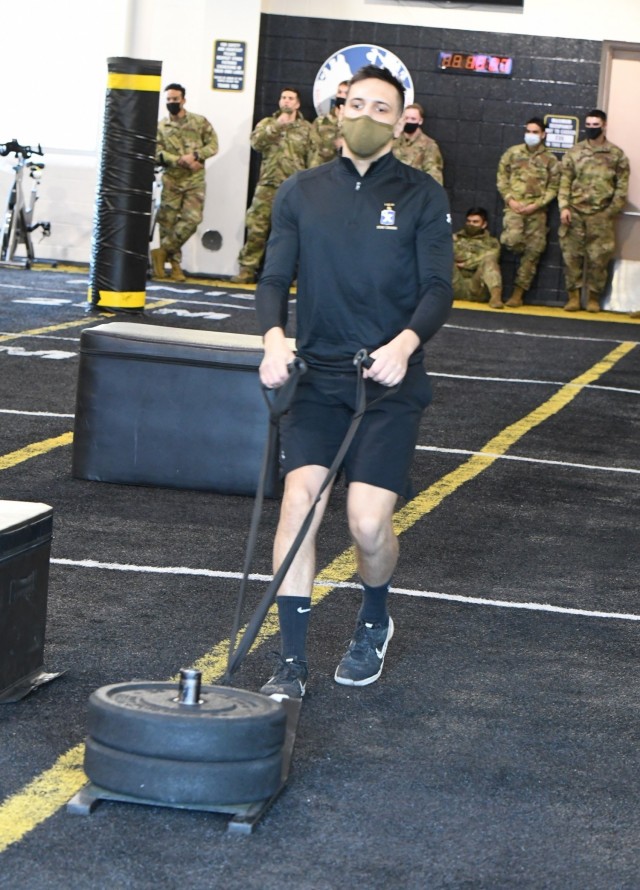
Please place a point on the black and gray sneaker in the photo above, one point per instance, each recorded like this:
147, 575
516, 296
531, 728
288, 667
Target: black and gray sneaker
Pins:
362, 662
288, 681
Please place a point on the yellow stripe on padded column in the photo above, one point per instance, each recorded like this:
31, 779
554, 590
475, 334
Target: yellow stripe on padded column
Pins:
119, 299
148, 82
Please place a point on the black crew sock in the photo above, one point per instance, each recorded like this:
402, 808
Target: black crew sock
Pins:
294, 612
374, 604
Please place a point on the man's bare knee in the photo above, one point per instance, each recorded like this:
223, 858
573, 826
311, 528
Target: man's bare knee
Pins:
370, 532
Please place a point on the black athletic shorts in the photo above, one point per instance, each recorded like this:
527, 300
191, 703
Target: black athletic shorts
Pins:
381, 453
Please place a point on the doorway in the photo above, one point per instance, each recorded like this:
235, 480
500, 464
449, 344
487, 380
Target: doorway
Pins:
618, 95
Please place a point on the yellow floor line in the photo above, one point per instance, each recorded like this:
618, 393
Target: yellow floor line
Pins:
526, 309
48, 792
54, 327
551, 312
78, 322
35, 449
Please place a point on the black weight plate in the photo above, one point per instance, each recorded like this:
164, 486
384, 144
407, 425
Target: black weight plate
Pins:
182, 781
143, 717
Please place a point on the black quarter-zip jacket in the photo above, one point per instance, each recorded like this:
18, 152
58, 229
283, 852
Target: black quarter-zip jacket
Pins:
373, 256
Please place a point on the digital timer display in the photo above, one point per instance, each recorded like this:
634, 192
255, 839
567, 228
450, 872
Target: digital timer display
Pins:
475, 63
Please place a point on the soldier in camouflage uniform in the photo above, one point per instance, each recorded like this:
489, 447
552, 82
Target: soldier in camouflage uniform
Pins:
184, 143
324, 136
593, 189
528, 180
413, 147
476, 261
283, 141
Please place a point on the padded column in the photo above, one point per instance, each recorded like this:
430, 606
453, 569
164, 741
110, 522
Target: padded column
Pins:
120, 246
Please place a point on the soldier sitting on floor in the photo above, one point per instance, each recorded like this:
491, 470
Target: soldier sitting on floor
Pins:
476, 271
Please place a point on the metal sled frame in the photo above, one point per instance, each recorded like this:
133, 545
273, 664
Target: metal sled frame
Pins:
245, 816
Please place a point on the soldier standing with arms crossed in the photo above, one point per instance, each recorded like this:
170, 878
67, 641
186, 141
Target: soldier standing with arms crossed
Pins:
593, 190
283, 141
528, 180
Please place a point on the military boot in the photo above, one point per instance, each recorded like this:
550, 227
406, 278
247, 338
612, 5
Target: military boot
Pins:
496, 298
573, 303
176, 271
517, 297
593, 302
158, 259
244, 276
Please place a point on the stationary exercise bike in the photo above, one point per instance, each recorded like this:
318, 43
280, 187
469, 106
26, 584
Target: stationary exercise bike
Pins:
16, 222
156, 200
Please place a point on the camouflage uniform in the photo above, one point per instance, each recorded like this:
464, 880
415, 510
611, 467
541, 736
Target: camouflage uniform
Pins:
480, 270
531, 176
593, 186
183, 190
284, 150
422, 153
322, 139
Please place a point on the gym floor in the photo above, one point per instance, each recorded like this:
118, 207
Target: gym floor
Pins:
499, 749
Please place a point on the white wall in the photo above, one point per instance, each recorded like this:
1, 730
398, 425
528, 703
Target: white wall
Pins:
60, 102
580, 19
182, 34
53, 63
54, 72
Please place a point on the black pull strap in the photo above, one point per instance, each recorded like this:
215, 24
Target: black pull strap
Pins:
278, 404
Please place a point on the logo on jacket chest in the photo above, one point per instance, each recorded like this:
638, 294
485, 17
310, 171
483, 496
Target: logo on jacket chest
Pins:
387, 217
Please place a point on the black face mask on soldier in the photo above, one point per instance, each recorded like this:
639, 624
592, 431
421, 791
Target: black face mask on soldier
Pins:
173, 107
410, 127
593, 132
340, 100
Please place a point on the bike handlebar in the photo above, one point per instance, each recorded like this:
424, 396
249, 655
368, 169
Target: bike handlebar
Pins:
14, 147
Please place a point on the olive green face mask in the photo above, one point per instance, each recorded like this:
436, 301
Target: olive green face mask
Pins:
364, 136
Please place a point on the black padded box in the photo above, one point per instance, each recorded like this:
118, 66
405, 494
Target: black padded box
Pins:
25, 547
170, 407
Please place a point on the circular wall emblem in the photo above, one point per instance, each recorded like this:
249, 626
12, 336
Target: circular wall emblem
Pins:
344, 63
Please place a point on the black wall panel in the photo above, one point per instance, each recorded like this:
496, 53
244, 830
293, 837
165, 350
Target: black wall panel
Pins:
473, 118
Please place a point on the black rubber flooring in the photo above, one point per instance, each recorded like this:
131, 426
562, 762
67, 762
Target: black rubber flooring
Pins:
499, 748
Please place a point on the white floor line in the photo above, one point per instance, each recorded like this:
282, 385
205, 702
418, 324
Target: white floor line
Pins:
35, 413
46, 337
233, 295
635, 392
431, 448
460, 327
529, 460
507, 604
403, 591
155, 570
47, 290
208, 303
